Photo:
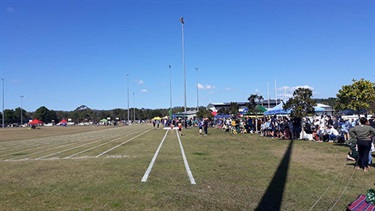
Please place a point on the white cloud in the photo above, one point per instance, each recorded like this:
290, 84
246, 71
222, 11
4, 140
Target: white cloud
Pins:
140, 82
144, 90
201, 86
287, 92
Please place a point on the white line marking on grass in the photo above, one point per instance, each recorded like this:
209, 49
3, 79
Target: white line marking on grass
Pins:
39, 158
97, 146
39, 152
121, 144
192, 180
147, 173
21, 151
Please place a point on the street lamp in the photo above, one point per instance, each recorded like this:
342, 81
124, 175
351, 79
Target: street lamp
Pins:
170, 91
21, 110
196, 69
134, 106
2, 80
183, 61
127, 79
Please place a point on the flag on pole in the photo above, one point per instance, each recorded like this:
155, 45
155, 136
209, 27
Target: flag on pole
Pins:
182, 20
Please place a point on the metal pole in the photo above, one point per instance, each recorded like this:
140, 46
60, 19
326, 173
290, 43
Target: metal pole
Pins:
127, 78
21, 111
170, 90
134, 106
183, 62
196, 69
3, 124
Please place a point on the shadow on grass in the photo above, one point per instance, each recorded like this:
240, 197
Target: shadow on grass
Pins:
273, 197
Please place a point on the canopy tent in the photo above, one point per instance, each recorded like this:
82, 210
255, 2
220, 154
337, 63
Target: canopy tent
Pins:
35, 122
319, 109
104, 120
278, 109
63, 122
258, 110
222, 116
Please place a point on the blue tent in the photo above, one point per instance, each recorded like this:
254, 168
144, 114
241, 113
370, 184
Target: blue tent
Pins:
319, 109
279, 110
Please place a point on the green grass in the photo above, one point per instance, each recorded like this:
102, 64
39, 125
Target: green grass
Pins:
232, 172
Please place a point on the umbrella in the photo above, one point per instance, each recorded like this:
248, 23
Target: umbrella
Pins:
156, 118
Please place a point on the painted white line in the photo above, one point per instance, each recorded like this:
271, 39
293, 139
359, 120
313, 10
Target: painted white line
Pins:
121, 144
18, 158
147, 173
66, 150
98, 146
53, 158
192, 180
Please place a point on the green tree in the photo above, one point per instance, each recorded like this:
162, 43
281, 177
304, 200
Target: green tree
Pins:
254, 101
234, 108
45, 115
357, 96
301, 103
17, 115
203, 112
10, 117
224, 111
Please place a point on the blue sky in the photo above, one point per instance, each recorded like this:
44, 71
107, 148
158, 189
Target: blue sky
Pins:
63, 54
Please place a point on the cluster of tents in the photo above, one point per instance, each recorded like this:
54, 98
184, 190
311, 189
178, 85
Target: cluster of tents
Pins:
278, 110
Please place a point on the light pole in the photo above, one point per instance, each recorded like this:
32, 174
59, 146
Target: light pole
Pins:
127, 79
183, 61
170, 91
2, 80
21, 110
134, 106
196, 69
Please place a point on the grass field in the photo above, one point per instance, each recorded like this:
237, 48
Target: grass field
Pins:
100, 168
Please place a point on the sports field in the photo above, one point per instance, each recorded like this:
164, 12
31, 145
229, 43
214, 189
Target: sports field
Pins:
141, 168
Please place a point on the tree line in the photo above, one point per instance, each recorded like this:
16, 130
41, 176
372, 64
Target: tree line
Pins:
359, 96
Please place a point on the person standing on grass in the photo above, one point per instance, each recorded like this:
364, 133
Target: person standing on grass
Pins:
362, 134
200, 126
205, 126
180, 128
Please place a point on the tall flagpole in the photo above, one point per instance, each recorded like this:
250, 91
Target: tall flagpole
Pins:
275, 92
21, 110
268, 91
3, 124
170, 91
127, 79
183, 61
196, 69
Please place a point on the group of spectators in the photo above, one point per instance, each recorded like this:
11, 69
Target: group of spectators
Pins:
357, 133
202, 123
324, 128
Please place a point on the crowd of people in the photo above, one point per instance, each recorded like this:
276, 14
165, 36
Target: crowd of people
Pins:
202, 123
357, 133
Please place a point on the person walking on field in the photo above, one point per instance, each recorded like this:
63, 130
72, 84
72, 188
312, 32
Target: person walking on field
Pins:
362, 134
